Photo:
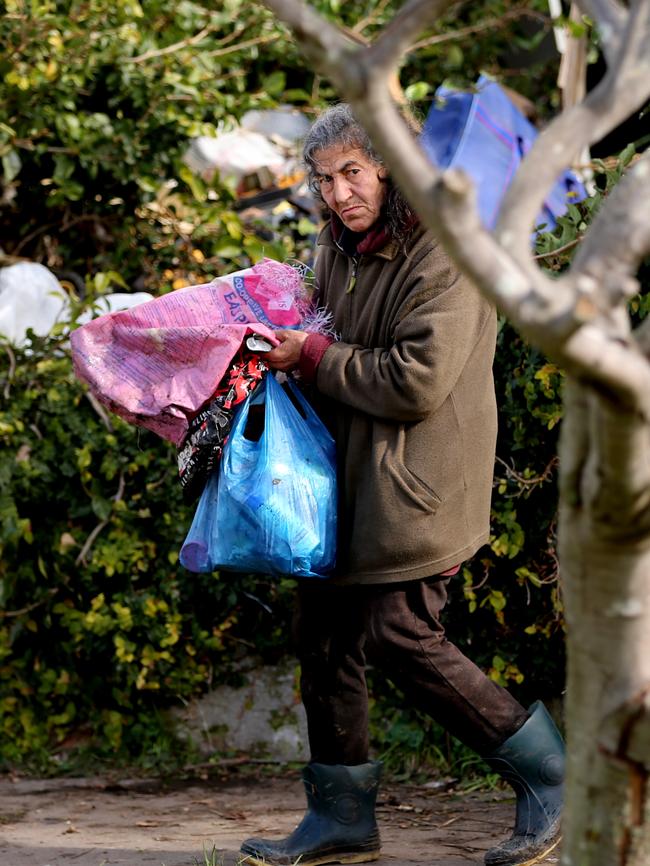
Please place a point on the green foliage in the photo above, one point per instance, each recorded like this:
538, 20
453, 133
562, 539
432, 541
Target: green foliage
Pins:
101, 99
99, 102
100, 628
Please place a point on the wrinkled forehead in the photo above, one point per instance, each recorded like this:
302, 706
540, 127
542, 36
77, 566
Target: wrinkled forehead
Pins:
335, 159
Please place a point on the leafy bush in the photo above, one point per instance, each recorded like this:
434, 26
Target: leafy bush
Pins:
100, 627
100, 100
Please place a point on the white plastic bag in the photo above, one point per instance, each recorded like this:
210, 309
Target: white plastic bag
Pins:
30, 297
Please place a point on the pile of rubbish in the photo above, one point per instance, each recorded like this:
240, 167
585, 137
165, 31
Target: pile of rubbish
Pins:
261, 159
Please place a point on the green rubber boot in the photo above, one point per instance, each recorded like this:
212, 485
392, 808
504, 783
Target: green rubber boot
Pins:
339, 825
532, 761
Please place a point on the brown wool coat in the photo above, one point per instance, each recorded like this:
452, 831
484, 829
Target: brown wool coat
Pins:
411, 404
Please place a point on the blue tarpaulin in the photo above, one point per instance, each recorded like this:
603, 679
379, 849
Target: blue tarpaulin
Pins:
486, 135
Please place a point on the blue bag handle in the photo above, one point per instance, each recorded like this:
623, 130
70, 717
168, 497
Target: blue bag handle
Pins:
315, 424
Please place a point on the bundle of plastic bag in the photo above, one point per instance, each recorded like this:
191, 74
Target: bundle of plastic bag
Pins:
159, 363
201, 449
271, 505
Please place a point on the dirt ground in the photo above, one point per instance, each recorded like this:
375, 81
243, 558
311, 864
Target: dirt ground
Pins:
97, 822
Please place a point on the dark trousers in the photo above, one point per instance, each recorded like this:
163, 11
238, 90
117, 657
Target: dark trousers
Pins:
396, 628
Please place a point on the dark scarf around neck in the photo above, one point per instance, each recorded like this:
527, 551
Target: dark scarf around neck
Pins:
359, 243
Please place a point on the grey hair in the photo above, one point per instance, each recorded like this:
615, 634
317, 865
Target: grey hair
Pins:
337, 126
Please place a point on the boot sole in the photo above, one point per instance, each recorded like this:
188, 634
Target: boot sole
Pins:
536, 858
543, 854
352, 857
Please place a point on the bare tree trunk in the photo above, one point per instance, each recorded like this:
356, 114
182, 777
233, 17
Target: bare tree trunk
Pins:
605, 566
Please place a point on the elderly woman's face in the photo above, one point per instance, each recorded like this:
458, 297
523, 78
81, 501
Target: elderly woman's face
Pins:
351, 185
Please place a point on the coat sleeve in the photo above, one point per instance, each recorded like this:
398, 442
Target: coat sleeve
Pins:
442, 321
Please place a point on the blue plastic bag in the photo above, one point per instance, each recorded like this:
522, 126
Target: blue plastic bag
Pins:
487, 136
271, 506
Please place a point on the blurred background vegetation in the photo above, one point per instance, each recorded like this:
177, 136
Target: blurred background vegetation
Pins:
101, 630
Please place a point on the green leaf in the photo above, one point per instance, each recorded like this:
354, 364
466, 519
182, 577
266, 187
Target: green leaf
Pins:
274, 83
497, 599
418, 91
296, 94
196, 185
102, 507
63, 168
228, 250
103, 281
455, 56
627, 155
306, 227
11, 165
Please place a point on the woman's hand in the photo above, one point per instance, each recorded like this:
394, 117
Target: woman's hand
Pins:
285, 357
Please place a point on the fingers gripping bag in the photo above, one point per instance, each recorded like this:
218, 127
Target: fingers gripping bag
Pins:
271, 506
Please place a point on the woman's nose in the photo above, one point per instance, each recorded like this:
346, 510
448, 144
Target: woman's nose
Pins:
342, 190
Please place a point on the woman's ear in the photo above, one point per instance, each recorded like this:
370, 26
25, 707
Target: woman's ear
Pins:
382, 172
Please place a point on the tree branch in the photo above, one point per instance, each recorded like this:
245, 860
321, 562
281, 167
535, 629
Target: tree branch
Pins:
11, 372
619, 238
337, 55
370, 19
642, 337
556, 252
320, 41
624, 89
618, 493
610, 366
562, 316
525, 483
610, 17
85, 550
171, 49
398, 35
240, 46
488, 24
6, 614
81, 558
99, 409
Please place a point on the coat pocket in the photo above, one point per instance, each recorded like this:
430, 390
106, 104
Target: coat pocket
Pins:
413, 488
